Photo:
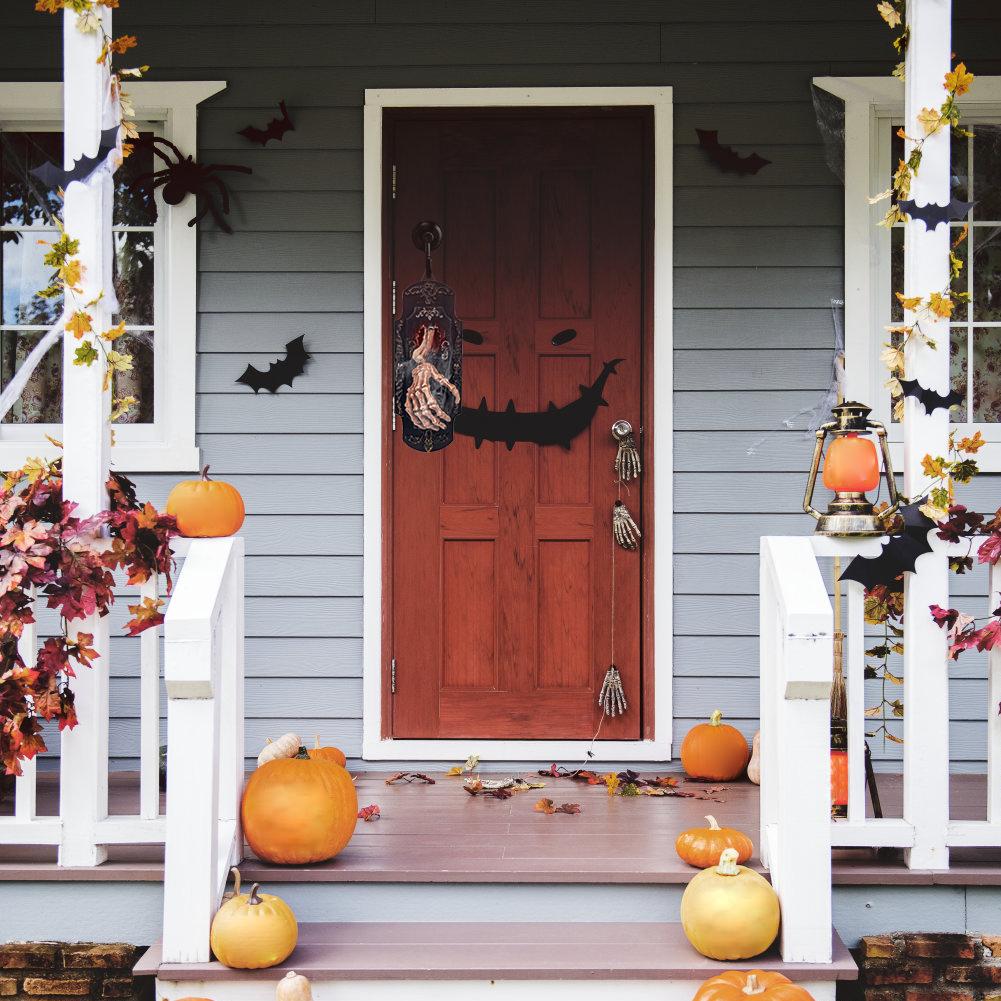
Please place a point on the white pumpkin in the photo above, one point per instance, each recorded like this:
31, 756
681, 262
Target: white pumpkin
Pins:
286, 746
293, 987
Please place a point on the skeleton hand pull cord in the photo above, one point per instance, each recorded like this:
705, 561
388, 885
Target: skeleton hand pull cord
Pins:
420, 403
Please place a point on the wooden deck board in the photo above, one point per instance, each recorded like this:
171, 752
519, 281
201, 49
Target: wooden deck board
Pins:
441, 834
496, 951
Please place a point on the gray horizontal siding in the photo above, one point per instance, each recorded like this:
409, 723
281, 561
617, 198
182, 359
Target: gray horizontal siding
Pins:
757, 260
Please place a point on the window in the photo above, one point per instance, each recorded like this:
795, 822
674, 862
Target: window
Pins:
874, 257
154, 280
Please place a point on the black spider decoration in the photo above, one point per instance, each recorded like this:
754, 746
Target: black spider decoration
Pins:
182, 177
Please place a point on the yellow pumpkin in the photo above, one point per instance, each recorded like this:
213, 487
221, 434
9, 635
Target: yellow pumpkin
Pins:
738, 985
701, 846
298, 810
730, 912
253, 931
334, 754
715, 751
206, 508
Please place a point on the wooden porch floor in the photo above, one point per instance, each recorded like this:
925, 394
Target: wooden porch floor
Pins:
440, 833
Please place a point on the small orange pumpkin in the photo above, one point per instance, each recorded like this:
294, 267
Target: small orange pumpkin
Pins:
715, 751
298, 810
205, 508
334, 754
741, 985
701, 846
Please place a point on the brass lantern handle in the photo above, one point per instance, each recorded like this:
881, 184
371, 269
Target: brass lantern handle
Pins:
811, 482
891, 483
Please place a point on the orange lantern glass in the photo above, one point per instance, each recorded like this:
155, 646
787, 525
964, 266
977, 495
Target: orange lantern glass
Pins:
851, 468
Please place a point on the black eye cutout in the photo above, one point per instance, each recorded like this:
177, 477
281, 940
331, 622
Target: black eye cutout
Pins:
563, 337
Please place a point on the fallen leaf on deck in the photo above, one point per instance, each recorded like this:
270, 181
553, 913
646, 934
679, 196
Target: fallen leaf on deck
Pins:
547, 806
409, 777
477, 787
369, 813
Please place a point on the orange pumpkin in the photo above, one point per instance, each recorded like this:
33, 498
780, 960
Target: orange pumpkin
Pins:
298, 810
702, 846
715, 751
740, 985
851, 464
334, 754
206, 508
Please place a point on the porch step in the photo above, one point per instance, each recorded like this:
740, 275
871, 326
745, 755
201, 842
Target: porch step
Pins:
453, 954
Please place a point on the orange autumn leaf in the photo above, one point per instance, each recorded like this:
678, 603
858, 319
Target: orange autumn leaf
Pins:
79, 324
908, 302
958, 81
369, 813
971, 445
71, 272
123, 43
941, 305
545, 806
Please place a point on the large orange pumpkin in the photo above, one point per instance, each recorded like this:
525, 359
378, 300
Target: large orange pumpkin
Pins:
715, 751
334, 754
298, 810
206, 508
740, 985
702, 846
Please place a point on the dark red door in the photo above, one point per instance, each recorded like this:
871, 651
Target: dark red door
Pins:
499, 610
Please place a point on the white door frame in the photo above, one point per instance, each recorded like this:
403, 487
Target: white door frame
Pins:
374, 747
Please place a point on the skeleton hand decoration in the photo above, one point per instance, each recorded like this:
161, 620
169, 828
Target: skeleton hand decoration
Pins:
627, 457
626, 532
612, 698
420, 404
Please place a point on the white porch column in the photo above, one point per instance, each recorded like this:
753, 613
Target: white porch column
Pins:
87, 217
926, 270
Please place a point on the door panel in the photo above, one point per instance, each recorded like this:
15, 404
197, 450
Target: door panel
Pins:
499, 604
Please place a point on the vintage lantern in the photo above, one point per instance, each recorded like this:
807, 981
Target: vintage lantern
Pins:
851, 468
427, 384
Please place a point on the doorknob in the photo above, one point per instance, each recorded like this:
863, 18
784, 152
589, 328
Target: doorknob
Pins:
627, 456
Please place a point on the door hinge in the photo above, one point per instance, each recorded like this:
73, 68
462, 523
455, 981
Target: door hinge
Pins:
392, 676
394, 182
394, 298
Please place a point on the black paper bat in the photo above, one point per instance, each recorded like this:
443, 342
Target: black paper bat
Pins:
279, 373
928, 398
472, 336
275, 129
899, 554
563, 337
53, 176
726, 157
933, 214
554, 426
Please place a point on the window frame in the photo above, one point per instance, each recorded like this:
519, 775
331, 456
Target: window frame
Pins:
871, 104
168, 444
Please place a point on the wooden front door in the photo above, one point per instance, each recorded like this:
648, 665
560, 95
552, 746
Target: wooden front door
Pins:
499, 567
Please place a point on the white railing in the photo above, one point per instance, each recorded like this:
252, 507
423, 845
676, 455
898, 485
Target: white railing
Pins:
82, 834
796, 635
205, 753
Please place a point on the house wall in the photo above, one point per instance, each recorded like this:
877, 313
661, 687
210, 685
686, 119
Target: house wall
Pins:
757, 261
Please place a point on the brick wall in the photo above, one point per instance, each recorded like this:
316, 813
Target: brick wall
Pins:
37, 970
933, 967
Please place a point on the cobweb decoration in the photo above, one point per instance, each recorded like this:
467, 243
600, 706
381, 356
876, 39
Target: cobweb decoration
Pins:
830, 114
821, 410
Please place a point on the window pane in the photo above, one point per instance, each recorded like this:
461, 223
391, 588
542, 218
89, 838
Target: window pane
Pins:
987, 172
138, 382
957, 371
960, 179
896, 272
986, 273
134, 277
962, 283
987, 374
24, 273
26, 201
41, 401
133, 207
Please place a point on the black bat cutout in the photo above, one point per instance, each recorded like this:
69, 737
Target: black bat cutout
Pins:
553, 426
933, 214
928, 398
472, 336
899, 554
563, 337
726, 157
279, 373
275, 129
53, 176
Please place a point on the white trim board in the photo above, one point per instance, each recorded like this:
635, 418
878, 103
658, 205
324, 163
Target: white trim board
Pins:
869, 103
169, 443
660, 100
